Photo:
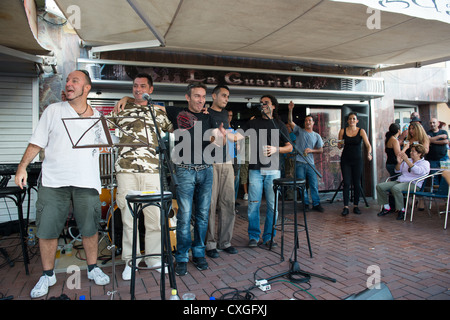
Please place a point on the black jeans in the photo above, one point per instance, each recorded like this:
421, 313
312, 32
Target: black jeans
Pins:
351, 174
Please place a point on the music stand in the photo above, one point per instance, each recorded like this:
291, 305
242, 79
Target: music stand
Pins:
108, 143
351, 188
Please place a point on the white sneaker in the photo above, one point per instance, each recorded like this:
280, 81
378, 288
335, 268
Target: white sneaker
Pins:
99, 277
158, 266
246, 196
41, 288
126, 274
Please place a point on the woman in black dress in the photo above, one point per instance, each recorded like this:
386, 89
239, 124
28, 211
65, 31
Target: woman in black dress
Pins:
350, 139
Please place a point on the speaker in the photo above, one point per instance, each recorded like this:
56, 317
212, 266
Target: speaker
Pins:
372, 293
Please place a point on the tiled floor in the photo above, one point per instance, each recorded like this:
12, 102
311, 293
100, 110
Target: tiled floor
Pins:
413, 259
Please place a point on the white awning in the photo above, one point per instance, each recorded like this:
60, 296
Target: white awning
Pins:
19, 44
321, 31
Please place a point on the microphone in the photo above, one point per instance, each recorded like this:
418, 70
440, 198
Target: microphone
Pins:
147, 97
254, 105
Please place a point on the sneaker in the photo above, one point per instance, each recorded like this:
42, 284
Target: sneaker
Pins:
245, 196
126, 274
212, 253
318, 208
41, 288
268, 244
99, 277
401, 215
384, 212
252, 243
181, 268
200, 263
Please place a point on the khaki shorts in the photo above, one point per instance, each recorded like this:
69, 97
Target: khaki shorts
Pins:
243, 174
53, 206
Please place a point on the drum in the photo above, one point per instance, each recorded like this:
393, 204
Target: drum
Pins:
105, 200
172, 224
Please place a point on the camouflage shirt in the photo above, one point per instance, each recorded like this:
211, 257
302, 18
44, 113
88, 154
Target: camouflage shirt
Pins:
139, 159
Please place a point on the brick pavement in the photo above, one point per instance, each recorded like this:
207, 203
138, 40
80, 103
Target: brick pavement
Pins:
413, 258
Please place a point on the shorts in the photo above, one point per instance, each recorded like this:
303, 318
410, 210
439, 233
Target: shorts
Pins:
53, 206
243, 174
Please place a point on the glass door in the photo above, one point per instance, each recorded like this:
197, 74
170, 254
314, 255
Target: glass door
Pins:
327, 124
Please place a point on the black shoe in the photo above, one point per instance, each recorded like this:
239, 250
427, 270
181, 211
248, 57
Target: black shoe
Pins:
181, 268
345, 212
383, 212
318, 208
356, 210
305, 207
200, 263
401, 215
212, 253
230, 250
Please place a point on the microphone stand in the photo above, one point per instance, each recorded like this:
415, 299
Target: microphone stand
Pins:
295, 269
163, 157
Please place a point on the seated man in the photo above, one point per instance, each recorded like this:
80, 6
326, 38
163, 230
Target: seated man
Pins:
410, 169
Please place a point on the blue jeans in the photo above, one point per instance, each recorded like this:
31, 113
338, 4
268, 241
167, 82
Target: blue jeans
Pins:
257, 184
193, 186
304, 171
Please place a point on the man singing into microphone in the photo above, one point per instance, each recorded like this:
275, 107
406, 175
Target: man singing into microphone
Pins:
271, 140
137, 168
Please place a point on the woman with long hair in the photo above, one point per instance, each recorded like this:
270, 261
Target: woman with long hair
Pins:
350, 139
416, 135
392, 147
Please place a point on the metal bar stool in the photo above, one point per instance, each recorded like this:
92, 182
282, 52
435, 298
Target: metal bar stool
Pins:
136, 203
281, 185
17, 195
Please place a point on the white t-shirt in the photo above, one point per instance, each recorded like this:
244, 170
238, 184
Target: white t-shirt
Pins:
64, 165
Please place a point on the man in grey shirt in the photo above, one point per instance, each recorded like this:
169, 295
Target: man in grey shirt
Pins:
308, 142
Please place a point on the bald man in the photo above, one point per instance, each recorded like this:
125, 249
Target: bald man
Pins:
70, 177
438, 144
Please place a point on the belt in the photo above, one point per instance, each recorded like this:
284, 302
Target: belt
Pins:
196, 167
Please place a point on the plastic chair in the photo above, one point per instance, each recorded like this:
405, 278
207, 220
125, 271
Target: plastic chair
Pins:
412, 189
442, 192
